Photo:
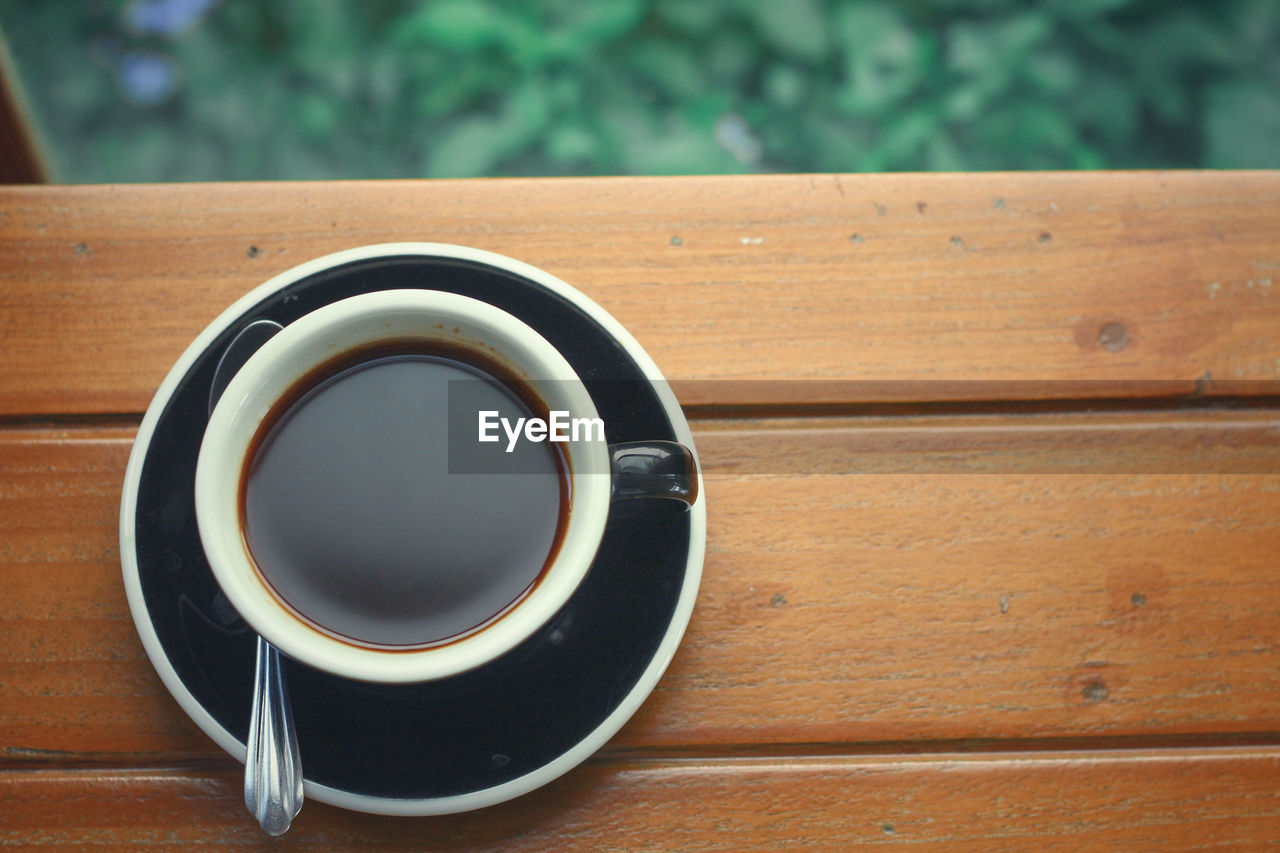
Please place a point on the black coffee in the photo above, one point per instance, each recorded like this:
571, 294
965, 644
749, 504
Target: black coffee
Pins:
352, 515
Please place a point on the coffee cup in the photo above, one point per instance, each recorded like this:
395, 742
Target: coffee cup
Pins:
405, 485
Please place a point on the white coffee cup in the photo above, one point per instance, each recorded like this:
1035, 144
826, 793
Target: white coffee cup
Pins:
435, 318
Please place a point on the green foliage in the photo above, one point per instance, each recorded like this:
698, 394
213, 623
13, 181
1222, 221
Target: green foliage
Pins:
391, 88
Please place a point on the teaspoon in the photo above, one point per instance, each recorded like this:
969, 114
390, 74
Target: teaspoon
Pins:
272, 764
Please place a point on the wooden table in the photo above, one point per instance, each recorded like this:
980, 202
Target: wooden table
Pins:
993, 504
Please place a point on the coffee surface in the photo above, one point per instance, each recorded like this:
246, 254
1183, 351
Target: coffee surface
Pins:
355, 521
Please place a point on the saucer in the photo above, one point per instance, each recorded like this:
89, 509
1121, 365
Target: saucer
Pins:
473, 739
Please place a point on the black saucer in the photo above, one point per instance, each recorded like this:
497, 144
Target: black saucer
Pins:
475, 738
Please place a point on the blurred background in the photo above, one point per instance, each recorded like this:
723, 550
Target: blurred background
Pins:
178, 90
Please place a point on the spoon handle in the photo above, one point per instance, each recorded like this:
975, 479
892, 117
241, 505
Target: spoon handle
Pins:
273, 765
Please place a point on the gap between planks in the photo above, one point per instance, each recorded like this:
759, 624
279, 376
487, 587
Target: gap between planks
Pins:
1134, 800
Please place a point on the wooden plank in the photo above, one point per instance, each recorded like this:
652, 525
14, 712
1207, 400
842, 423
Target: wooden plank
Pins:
73, 679
1069, 801
935, 281
1157, 442
913, 605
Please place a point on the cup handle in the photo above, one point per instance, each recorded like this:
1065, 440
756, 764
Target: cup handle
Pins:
653, 469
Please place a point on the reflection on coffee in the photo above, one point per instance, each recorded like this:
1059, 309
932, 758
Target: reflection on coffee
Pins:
352, 515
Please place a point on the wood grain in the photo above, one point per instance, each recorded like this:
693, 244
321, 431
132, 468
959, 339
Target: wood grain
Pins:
1190, 799
928, 285
1144, 442
917, 604
991, 469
